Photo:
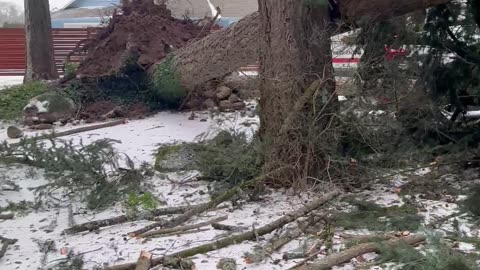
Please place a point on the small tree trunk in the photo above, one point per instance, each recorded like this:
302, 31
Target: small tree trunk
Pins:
38, 29
295, 52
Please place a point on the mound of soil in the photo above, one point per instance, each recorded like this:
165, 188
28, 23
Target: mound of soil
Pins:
102, 110
142, 32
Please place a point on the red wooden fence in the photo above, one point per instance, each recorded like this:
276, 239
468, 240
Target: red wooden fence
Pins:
13, 58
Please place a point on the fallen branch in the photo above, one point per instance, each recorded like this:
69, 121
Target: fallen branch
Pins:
6, 216
196, 210
70, 132
230, 228
144, 261
5, 243
260, 253
97, 224
347, 255
235, 239
182, 228
181, 233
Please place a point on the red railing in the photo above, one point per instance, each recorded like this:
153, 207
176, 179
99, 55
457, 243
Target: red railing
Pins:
13, 58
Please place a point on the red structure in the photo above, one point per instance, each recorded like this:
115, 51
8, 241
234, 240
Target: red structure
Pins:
13, 52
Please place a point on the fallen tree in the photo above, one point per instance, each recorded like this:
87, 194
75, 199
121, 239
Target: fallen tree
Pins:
229, 49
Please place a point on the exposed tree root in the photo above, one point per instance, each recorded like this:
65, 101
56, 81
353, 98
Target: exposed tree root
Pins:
234, 239
347, 255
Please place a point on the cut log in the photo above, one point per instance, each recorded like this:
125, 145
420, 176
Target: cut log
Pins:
144, 261
260, 253
230, 49
349, 254
236, 239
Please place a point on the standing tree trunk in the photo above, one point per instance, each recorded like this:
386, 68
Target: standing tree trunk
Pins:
298, 88
38, 30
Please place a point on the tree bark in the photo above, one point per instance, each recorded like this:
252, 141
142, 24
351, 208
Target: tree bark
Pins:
229, 49
295, 55
38, 30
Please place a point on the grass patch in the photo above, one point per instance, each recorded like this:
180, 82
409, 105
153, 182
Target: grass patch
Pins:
373, 217
15, 98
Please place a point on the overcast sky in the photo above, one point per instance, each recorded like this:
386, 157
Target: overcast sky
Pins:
54, 4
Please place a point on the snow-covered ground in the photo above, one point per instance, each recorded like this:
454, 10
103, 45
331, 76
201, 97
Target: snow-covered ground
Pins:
6, 81
111, 245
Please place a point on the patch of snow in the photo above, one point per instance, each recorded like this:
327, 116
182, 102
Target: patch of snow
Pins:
42, 106
7, 81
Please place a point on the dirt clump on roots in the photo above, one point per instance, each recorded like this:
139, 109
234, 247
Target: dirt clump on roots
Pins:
142, 32
103, 110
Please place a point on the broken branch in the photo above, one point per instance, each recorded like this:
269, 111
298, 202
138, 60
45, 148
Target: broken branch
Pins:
182, 228
144, 261
349, 254
97, 224
235, 239
5, 243
196, 210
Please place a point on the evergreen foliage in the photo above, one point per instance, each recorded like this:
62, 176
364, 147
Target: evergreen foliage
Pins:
89, 172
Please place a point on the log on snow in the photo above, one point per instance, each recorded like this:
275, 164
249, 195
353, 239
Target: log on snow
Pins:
196, 210
230, 49
349, 254
144, 261
97, 224
236, 239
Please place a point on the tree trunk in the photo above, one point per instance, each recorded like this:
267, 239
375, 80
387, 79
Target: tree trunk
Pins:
38, 29
295, 52
229, 49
